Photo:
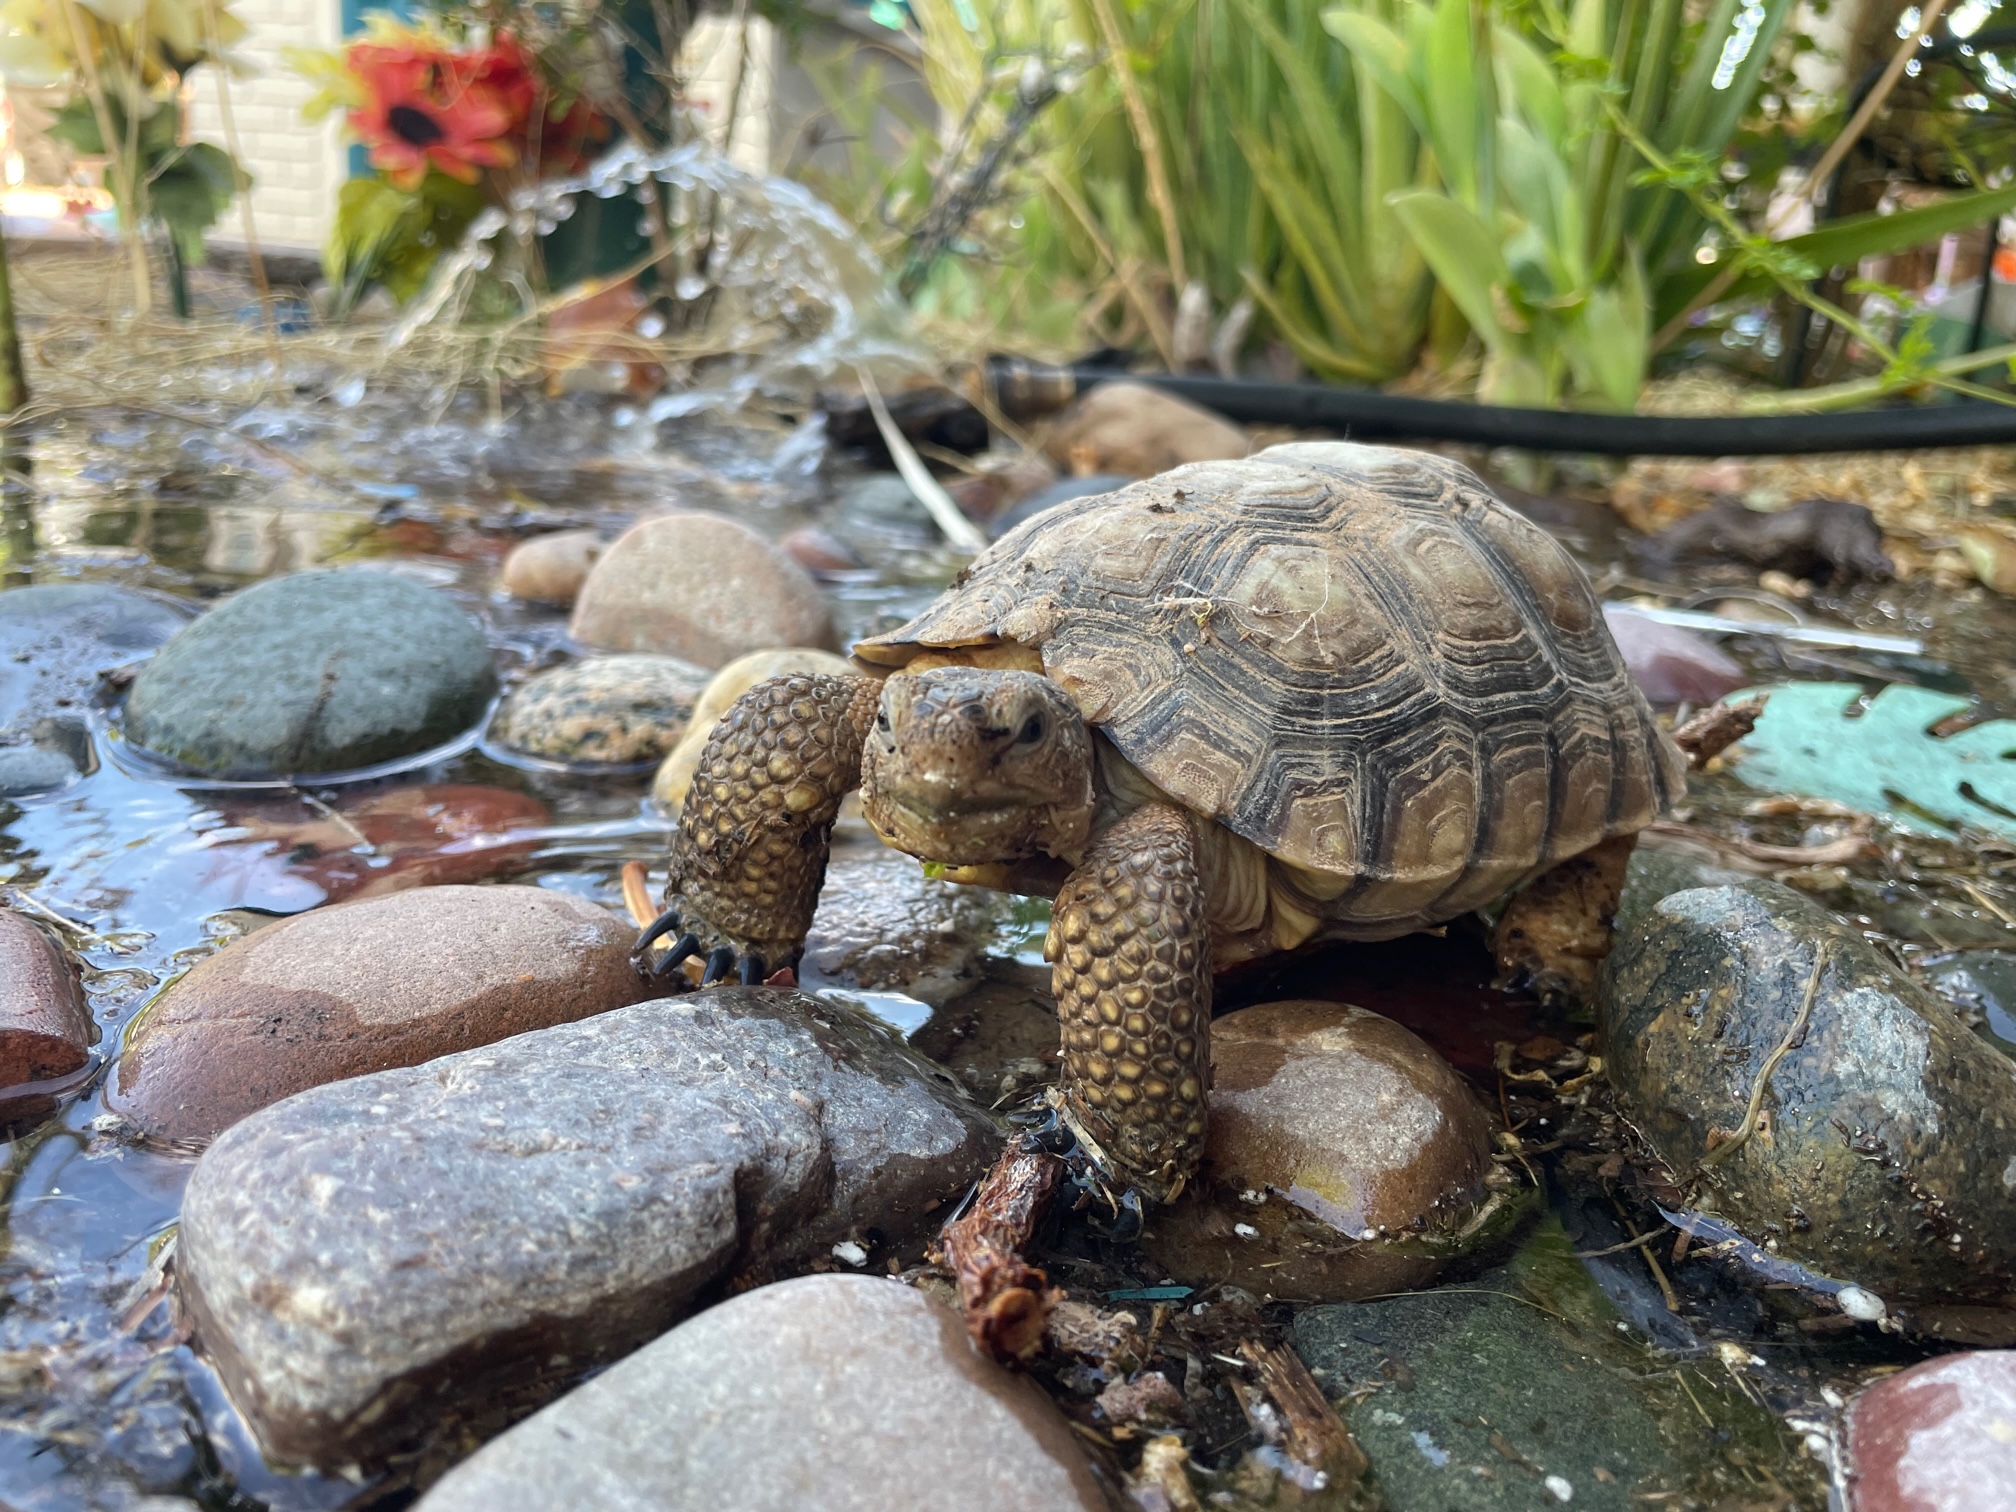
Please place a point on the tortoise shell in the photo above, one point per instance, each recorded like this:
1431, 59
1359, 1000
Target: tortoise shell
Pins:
1355, 657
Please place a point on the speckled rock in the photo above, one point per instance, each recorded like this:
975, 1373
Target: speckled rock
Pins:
611, 709
882, 925
675, 773
1888, 1159
550, 569
342, 991
368, 1259
845, 1393
1343, 1158
45, 1029
315, 672
701, 587
1138, 430
1939, 1437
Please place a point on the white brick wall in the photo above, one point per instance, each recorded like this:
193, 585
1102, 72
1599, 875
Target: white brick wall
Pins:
296, 168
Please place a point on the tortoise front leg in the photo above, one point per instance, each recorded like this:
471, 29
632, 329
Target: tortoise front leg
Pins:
1556, 930
750, 853
1131, 956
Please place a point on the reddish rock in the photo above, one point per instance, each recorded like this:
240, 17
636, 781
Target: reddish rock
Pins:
1134, 429
550, 569
818, 550
701, 587
366, 986
1003, 481
1939, 1437
1342, 1157
1670, 664
45, 1030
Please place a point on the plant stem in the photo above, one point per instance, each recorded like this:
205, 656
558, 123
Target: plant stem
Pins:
13, 379
1860, 390
125, 172
1145, 137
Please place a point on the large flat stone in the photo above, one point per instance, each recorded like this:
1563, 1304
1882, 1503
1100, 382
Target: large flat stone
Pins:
844, 1393
368, 1259
366, 986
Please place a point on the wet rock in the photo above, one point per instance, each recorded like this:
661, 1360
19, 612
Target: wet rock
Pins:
1004, 479
818, 550
1342, 1160
831, 1391
614, 709
57, 638
315, 672
1672, 665
45, 756
700, 587
367, 1259
1886, 1160
1981, 986
882, 497
1939, 1437
1658, 871
343, 991
675, 773
1138, 430
882, 925
550, 569
1516, 1391
1060, 492
45, 1029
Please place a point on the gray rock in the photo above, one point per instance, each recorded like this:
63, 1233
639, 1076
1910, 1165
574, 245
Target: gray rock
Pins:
609, 710
315, 672
56, 638
1063, 491
1981, 985
845, 1393
368, 1258
1888, 1158
883, 925
47, 754
45, 1029
1657, 872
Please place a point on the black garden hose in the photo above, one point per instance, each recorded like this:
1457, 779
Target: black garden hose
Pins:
1366, 415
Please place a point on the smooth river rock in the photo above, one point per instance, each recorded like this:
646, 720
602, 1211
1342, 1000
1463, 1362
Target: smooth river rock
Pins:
844, 1393
701, 587
882, 925
45, 1029
675, 773
1343, 1157
368, 1260
1939, 1437
362, 987
617, 710
1890, 1155
316, 672
1138, 430
550, 569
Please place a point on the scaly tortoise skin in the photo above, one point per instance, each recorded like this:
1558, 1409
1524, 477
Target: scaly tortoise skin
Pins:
1331, 691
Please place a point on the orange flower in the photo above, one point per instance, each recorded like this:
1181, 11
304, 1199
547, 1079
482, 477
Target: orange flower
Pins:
427, 106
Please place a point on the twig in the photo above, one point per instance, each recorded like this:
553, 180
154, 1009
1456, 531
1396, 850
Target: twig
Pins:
959, 530
1728, 1147
1712, 731
1311, 1430
1006, 1300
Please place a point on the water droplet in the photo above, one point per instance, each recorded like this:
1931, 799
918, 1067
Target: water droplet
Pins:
690, 287
349, 393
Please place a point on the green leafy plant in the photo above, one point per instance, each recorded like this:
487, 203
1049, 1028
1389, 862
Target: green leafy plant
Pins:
185, 186
385, 235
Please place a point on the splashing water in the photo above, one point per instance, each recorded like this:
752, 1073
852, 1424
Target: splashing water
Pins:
782, 295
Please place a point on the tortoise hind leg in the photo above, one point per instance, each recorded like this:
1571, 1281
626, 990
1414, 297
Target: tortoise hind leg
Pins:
1556, 930
1131, 955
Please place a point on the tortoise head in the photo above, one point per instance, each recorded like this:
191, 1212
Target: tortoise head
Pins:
967, 766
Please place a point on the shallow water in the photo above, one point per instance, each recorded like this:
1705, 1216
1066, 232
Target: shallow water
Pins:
100, 1403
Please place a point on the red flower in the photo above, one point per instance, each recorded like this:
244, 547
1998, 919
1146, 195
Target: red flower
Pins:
423, 106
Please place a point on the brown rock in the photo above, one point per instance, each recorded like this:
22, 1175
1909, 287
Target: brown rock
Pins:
675, 773
701, 587
45, 1030
1138, 430
1343, 1158
364, 987
550, 569
1004, 480
818, 550
1939, 1437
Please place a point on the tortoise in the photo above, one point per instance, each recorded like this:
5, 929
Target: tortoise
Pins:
1331, 691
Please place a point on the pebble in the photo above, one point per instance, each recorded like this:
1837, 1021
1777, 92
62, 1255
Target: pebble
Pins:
1939, 1437
322, 671
701, 587
818, 550
675, 773
550, 569
1672, 665
1342, 1157
882, 925
369, 1259
845, 1393
609, 709
1887, 1159
341, 992
1138, 430
1061, 492
45, 1029
1003, 481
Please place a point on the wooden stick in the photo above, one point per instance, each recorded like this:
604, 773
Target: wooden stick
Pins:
1007, 1301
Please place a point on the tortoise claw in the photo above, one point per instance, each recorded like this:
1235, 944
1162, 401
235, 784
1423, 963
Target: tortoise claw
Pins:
659, 927
719, 963
752, 969
686, 945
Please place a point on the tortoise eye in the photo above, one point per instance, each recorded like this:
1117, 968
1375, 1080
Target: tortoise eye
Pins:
882, 720
1032, 731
